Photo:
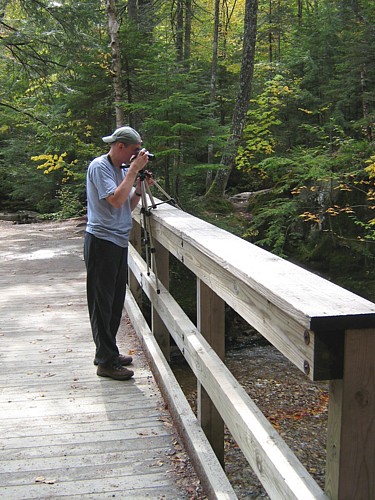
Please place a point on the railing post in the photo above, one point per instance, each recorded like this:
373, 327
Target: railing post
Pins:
351, 422
158, 328
136, 241
211, 323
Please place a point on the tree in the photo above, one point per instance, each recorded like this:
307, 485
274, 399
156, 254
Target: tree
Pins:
210, 151
242, 102
113, 31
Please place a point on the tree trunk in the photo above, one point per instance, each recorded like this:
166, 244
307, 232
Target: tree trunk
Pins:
300, 10
270, 36
365, 103
210, 151
113, 28
187, 39
180, 31
133, 10
242, 102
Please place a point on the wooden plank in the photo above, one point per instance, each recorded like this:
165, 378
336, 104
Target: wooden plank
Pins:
82, 437
114, 485
149, 446
86, 472
280, 472
57, 425
50, 463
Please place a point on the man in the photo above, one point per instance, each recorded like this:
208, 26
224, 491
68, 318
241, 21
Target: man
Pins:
111, 198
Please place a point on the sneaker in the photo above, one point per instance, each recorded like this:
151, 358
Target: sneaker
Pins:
115, 371
121, 359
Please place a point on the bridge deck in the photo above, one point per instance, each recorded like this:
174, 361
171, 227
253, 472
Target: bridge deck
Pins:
64, 431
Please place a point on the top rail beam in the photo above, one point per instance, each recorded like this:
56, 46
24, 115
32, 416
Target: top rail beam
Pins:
303, 315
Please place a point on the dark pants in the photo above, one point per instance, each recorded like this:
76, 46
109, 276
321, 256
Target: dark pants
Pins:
106, 265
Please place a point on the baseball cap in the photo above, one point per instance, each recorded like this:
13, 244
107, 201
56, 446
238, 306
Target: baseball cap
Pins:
124, 134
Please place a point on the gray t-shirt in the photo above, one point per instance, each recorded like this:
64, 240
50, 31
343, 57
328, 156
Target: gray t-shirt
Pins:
103, 220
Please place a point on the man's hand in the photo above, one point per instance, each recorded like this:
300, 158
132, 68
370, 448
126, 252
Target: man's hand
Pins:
140, 161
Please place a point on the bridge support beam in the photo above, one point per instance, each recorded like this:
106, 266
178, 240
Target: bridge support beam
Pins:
134, 283
211, 324
351, 421
159, 330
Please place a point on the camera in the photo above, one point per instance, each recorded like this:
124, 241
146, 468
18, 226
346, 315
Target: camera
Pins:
150, 156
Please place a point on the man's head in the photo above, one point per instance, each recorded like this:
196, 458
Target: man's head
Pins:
125, 143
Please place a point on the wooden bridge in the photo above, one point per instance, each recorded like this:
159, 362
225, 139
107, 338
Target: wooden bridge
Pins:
67, 433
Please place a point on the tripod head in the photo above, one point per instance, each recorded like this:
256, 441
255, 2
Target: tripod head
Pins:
145, 174
142, 174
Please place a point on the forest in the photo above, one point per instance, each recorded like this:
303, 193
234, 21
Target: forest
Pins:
272, 98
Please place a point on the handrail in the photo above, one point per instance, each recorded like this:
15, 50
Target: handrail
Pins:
310, 320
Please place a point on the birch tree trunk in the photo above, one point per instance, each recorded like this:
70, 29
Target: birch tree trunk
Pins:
113, 28
242, 102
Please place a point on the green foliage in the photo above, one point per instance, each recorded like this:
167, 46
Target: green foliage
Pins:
321, 208
274, 225
308, 139
70, 205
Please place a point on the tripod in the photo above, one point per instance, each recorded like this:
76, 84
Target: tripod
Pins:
148, 239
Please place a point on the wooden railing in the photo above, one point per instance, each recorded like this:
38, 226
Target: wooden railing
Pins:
326, 331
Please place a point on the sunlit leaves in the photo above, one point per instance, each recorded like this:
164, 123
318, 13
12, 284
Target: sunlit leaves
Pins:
54, 162
370, 169
263, 118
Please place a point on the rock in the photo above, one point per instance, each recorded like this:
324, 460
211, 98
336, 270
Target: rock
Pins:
28, 216
20, 217
247, 195
12, 217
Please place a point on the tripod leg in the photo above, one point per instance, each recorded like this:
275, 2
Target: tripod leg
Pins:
145, 226
148, 190
153, 260
149, 242
169, 198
